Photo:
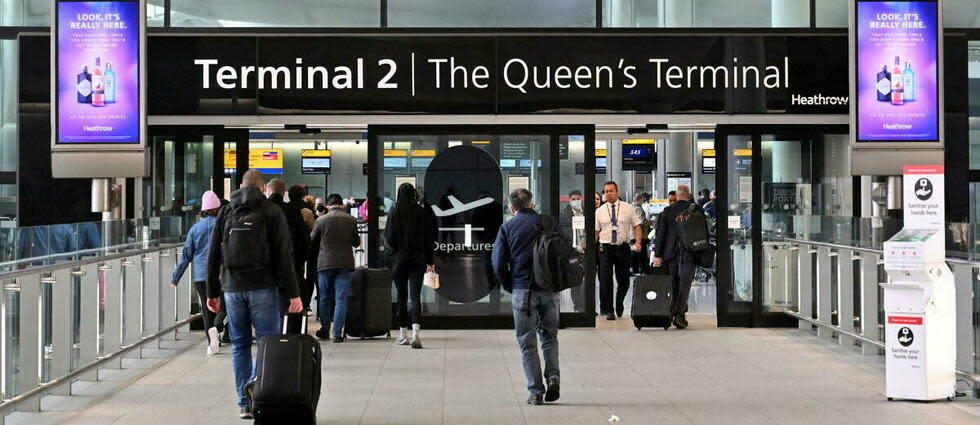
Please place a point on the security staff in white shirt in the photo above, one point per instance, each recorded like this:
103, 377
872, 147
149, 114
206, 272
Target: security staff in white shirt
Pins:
616, 224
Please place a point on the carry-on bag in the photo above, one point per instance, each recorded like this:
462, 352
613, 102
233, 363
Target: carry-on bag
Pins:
652, 299
369, 304
286, 388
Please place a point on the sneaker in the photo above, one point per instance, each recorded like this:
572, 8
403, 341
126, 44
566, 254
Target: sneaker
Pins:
402, 340
323, 334
417, 342
245, 413
554, 390
535, 400
213, 341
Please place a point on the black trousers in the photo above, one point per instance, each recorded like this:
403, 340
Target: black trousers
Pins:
211, 320
311, 281
408, 283
681, 268
613, 259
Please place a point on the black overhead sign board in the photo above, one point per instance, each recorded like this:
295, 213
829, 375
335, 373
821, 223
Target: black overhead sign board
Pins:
501, 74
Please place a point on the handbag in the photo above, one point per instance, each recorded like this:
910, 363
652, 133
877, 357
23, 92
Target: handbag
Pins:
431, 279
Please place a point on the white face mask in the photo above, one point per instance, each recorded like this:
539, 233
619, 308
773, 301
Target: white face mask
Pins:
576, 205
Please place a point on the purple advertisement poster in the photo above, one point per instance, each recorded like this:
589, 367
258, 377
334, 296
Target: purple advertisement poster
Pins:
897, 71
97, 71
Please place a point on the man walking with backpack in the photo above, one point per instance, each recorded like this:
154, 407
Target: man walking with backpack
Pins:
535, 310
678, 225
250, 260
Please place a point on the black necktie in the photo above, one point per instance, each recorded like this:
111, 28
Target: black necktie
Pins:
612, 217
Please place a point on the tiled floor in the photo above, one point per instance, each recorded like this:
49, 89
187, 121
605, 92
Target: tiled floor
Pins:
703, 375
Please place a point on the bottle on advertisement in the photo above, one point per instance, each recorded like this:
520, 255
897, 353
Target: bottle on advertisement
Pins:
110, 84
909, 76
83, 86
884, 85
98, 84
898, 85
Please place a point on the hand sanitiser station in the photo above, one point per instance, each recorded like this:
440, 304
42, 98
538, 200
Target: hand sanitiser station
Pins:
919, 298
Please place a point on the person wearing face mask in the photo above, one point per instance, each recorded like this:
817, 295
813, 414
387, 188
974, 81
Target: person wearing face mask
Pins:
566, 222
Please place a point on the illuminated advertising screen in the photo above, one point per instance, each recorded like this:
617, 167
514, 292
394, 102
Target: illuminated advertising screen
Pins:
897, 71
97, 72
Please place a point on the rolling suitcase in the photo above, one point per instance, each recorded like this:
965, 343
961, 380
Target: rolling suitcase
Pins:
369, 304
652, 298
286, 388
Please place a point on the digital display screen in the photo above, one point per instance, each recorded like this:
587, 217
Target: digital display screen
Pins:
421, 162
396, 162
897, 70
600, 165
97, 72
639, 157
316, 166
508, 163
708, 165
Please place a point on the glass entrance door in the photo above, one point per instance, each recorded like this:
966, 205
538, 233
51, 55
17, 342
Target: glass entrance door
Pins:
780, 182
464, 175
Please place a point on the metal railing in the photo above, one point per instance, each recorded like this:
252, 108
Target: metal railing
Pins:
64, 322
837, 291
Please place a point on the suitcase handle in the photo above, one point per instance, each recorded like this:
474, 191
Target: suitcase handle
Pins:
285, 324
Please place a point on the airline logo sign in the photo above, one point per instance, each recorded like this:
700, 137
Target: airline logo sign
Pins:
924, 194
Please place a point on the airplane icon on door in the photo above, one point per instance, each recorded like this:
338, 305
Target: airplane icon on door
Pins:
459, 206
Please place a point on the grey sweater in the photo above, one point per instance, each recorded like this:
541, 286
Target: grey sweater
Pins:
336, 235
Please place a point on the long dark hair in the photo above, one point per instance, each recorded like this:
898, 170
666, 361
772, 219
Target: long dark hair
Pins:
404, 212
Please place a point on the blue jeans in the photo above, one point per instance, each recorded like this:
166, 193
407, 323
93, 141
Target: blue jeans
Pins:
536, 315
260, 309
333, 282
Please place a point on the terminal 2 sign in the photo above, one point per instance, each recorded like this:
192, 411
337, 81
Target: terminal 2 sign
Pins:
475, 74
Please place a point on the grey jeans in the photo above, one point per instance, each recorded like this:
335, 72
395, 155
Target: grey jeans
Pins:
536, 316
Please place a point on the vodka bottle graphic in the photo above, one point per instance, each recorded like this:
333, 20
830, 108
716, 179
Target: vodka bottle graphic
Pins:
884, 85
898, 85
98, 84
909, 81
110, 84
83, 86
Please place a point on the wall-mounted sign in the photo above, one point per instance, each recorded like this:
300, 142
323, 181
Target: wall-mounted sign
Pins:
897, 71
315, 161
677, 178
97, 93
708, 161
495, 74
925, 197
267, 161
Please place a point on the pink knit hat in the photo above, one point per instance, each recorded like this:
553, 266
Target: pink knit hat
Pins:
210, 201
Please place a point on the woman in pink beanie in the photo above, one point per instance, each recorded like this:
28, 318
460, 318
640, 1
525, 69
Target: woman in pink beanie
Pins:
196, 251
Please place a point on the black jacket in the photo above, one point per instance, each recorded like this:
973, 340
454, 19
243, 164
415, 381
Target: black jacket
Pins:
278, 270
411, 245
668, 233
298, 232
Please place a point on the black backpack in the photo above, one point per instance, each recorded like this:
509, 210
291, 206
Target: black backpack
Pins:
694, 235
693, 226
244, 243
557, 264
